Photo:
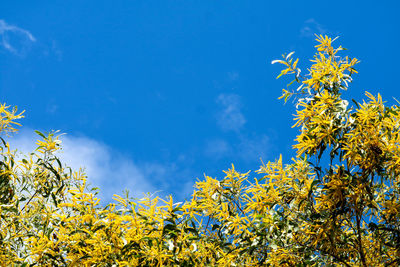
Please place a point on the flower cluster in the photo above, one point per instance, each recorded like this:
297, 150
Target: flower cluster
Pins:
336, 204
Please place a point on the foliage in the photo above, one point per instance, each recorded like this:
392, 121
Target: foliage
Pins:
336, 204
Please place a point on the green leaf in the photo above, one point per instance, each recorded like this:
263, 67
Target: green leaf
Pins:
356, 103
54, 199
215, 226
40, 134
312, 186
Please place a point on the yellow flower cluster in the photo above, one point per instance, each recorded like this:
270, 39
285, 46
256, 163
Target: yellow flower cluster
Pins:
7, 119
328, 69
319, 122
336, 204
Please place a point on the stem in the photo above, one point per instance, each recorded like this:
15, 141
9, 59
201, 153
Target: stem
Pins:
208, 221
238, 206
27, 203
360, 247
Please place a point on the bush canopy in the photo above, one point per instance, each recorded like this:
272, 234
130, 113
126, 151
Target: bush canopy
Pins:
337, 203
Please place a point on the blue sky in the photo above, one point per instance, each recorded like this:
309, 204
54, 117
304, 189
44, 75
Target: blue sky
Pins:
153, 94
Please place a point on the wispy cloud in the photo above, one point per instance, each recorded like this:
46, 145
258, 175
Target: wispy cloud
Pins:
14, 39
230, 117
113, 172
56, 50
252, 148
217, 148
311, 27
233, 76
243, 145
51, 108
106, 169
246, 148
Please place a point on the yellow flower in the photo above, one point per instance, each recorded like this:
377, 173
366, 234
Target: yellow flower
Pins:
49, 144
325, 44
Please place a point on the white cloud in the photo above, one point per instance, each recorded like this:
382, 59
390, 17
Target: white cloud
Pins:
233, 76
230, 118
113, 172
15, 39
52, 49
106, 169
254, 147
51, 108
311, 27
217, 148
246, 148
